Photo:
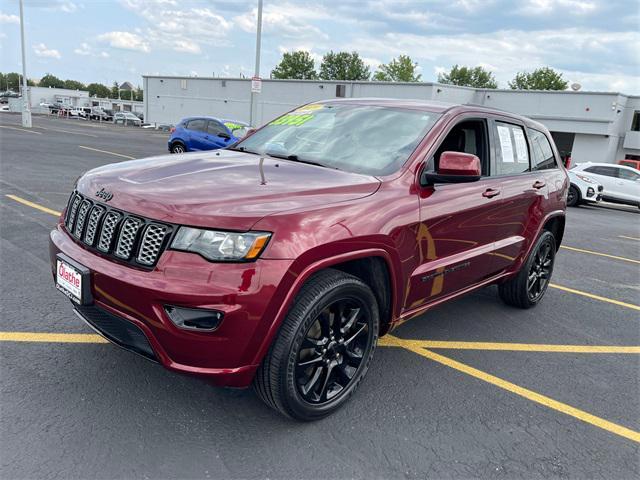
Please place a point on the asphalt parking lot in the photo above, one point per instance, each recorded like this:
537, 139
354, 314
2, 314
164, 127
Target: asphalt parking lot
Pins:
472, 389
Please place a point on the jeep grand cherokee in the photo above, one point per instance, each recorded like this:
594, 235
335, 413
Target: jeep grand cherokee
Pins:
281, 260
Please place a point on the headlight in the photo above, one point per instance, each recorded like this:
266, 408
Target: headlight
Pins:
216, 245
584, 178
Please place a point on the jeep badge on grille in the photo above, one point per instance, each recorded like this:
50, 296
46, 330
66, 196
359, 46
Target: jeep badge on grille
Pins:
103, 194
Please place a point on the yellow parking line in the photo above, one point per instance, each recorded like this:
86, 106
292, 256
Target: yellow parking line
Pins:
21, 129
629, 238
51, 337
33, 205
107, 152
590, 252
596, 297
513, 388
526, 347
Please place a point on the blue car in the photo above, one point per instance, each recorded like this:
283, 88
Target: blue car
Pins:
205, 133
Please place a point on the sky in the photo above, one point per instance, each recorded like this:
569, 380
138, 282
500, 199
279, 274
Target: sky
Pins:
595, 43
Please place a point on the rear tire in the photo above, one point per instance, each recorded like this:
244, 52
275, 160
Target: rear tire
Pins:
573, 197
323, 349
527, 288
178, 147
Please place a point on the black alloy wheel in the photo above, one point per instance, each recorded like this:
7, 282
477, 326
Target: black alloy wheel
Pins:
540, 271
332, 351
323, 348
529, 285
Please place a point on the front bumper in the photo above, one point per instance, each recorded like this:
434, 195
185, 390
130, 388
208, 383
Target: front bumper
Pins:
247, 293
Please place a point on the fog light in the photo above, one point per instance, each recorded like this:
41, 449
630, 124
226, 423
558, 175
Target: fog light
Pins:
590, 192
194, 318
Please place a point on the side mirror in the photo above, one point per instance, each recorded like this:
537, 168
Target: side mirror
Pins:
454, 167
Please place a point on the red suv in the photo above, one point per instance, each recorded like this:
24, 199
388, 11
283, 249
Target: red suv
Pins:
281, 260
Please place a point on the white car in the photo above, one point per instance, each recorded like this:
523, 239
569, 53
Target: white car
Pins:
621, 183
583, 189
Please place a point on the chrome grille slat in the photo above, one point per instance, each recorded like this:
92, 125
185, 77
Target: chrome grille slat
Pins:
127, 237
151, 243
72, 212
108, 229
92, 225
82, 217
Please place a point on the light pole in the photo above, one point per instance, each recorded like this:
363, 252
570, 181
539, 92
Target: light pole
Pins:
26, 107
256, 72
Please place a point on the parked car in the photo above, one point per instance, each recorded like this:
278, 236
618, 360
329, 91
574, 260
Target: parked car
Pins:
100, 114
205, 133
126, 118
4, 108
583, 189
140, 115
281, 260
621, 183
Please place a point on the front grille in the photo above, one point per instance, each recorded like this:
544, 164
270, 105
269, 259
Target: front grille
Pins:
117, 329
130, 239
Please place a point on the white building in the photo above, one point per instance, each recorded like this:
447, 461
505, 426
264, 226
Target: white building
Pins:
72, 98
589, 126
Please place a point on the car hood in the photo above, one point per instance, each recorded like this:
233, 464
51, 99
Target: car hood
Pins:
223, 189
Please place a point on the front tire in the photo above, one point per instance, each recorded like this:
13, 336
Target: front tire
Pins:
527, 288
323, 349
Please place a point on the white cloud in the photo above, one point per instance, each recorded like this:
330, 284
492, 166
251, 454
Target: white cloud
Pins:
543, 7
173, 26
125, 41
41, 50
287, 20
8, 18
86, 50
83, 49
186, 46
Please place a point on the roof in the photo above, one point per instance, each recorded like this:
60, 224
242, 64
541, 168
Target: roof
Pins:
417, 104
222, 120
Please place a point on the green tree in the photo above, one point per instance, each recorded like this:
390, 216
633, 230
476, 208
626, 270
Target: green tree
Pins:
343, 66
74, 85
115, 90
12, 82
401, 69
544, 78
31, 83
139, 96
98, 90
298, 65
468, 77
51, 81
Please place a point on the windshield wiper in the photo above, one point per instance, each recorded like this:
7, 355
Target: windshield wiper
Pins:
295, 158
241, 149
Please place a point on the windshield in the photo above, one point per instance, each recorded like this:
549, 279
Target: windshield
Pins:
356, 138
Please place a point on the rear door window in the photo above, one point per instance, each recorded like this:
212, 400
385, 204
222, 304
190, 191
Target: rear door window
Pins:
542, 157
512, 151
606, 171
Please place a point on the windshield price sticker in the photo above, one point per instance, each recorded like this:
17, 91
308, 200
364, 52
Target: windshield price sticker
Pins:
292, 119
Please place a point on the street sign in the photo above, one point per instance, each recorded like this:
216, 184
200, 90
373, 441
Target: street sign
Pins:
256, 85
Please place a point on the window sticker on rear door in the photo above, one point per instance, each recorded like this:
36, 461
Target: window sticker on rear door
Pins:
521, 145
505, 144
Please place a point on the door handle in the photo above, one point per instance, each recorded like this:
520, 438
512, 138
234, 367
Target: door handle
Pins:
490, 193
538, 184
